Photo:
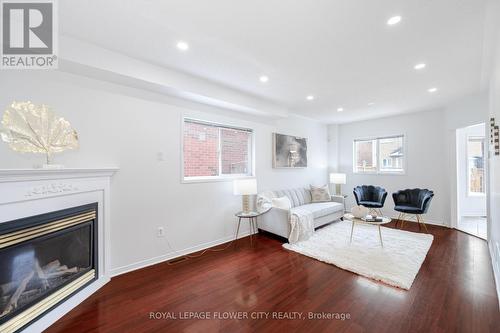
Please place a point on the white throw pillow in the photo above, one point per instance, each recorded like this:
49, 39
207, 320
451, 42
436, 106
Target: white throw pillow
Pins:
320, 193
282, 203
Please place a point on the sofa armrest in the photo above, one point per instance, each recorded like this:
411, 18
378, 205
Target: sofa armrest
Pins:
279, 211
338, 198
275, 221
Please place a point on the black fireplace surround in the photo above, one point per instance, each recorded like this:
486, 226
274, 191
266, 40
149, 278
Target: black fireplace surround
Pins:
32, 269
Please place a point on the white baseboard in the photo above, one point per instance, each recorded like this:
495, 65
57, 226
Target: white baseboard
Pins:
494, 248
172, 255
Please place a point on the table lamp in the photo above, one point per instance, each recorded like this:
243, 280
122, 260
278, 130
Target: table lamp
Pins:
245, 188
338, 179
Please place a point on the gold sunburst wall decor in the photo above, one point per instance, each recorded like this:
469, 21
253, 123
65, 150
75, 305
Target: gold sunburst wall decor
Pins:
31, 128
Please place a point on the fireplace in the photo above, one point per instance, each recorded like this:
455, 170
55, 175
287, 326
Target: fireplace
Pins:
44, 260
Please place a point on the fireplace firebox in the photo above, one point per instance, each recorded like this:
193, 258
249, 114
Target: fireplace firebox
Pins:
44, 260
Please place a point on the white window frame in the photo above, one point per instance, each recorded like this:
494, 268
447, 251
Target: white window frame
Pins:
220, 177
354, 157
469, 193
379, 166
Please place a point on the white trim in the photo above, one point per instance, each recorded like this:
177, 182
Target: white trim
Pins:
19, 175
495, 263
172, 255
476, 194
225, 178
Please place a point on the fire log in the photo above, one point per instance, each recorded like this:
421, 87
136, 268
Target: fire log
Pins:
15, 296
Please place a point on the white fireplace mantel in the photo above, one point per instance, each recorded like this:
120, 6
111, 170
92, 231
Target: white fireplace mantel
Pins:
16, 175
29, 192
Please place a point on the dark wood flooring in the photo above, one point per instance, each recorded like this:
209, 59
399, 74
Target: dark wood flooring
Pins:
453, 292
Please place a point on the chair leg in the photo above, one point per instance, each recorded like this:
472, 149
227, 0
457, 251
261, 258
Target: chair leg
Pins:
403, 216
421, 222
397, 220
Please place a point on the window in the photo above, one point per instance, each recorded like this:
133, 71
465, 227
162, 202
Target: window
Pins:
214, 151
475, 161
366, 156
379, 155
391, 151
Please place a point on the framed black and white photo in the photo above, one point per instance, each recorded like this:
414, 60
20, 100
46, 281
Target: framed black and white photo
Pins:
289, 151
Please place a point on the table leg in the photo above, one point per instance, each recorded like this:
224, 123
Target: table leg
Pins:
237, 230
380, 235
352, 230
251, 230
254, 225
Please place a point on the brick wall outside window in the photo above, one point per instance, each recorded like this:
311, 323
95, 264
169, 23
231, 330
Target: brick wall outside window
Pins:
201, 150
201, 144
234, 148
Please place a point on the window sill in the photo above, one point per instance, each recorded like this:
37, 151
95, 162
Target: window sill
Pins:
195, 180
381, 173
476, 195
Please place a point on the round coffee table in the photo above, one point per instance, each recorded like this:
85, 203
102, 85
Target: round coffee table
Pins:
355, 220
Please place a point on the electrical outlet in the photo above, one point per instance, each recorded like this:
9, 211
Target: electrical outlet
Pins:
160, 156
160, 232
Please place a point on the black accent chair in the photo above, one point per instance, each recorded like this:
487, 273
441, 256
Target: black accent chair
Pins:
414, 202
372, 197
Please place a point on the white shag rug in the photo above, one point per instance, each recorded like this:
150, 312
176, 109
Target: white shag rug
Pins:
396, 264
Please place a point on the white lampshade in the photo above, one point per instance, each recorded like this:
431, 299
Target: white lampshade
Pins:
245, 186
337, 178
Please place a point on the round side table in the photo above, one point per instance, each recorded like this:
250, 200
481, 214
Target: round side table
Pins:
252, 219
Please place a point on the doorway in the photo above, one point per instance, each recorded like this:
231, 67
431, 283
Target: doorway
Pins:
471, 180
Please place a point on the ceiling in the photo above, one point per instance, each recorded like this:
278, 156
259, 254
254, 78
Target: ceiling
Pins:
342, 52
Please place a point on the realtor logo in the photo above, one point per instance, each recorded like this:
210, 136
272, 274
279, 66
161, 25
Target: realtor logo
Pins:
28, 34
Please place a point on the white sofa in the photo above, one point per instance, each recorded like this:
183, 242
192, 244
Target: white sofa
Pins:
276, 221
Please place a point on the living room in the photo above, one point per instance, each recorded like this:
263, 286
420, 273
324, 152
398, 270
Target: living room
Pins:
186, 141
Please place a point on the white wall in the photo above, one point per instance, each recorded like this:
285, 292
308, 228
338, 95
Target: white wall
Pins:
425, 149
333, 148
431, 152
468, 204
127, 128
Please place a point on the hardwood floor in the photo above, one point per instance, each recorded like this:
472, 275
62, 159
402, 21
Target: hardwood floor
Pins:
453, 292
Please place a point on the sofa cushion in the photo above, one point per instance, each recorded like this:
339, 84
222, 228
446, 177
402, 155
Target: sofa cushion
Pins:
282, 203
408, 209
371, 204
297, 196
320, 209
320, 193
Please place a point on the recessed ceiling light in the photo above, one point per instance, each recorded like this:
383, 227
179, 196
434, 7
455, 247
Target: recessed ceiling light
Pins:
420, 66
371, 103
183, 46
432, 90
310, 97
263, 79
340, 109
394, 20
